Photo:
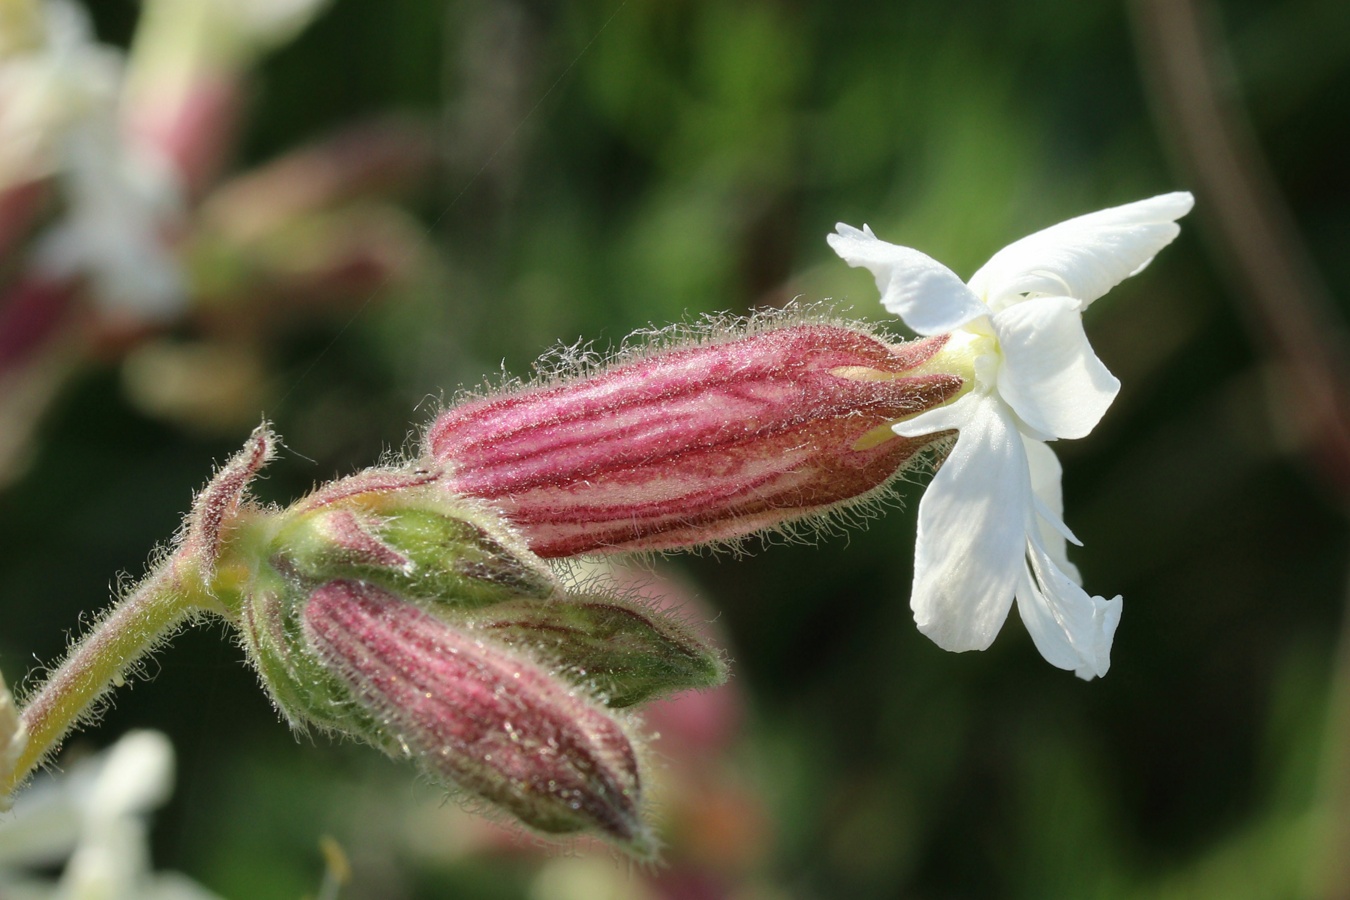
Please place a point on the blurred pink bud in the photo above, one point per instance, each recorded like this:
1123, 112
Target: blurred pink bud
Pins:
367, 159
495, 724
695, 444
20, 206
33, 310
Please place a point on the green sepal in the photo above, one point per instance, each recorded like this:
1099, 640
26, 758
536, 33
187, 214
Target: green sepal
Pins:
436, 551
625, 652
304, 690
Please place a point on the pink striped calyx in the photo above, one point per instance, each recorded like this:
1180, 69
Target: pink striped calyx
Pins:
704, 440
495, 723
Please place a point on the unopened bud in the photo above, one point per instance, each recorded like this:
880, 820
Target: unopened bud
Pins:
389, 527
385, 608
488, 719
689, 445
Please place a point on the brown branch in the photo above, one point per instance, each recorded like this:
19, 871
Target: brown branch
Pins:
1289, 308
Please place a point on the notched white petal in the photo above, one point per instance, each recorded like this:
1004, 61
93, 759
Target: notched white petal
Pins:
1083, 257
972, 531
1047, 632
1071, 629
991, 523
1050, 375
928, 296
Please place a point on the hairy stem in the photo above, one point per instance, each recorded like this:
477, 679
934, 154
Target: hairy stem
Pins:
133, 627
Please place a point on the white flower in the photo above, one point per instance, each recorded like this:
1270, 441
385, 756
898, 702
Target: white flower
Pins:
51, 75
96, 818
120, 204
182, 43
13, 739
60, 99
990, 526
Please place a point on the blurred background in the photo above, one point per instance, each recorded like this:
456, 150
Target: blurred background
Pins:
358, 209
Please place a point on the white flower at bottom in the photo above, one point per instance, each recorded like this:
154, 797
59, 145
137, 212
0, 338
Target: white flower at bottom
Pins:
95, 818
990, 527
13, 739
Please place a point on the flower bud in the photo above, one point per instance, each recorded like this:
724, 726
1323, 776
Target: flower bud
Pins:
493, 722
384, 608
388, 527
689, 445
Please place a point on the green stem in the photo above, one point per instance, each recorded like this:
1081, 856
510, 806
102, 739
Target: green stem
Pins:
133, 627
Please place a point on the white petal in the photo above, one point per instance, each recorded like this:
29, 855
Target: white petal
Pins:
173, 886
1083, 257
43, 828
137, 776
1050, 376
268, 21
119, 207
1046, 475
972, 530
1071, 629
1046, 632
928, 296
13, 738
111, 861
952, 417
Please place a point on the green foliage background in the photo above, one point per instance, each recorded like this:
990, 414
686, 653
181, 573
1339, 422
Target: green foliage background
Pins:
611, 164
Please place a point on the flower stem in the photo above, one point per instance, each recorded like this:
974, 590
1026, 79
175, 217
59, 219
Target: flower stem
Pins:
130, 629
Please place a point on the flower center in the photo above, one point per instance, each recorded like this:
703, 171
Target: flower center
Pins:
971, 353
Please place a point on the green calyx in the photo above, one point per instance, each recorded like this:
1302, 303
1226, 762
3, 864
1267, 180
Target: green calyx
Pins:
422, 544
304, 689
624, 651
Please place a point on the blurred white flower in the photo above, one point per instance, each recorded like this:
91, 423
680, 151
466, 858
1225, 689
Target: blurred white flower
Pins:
51, 76
990, 527
180, 41
60, 94
12, 739
95, 818
268, 21
120, 205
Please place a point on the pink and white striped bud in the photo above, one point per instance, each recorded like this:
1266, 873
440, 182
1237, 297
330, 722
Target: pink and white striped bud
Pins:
495, 723
695, 443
